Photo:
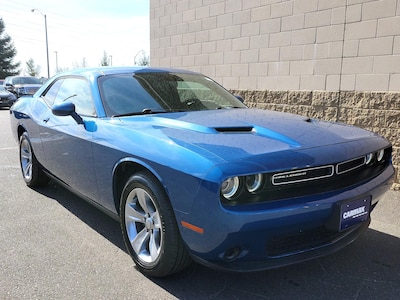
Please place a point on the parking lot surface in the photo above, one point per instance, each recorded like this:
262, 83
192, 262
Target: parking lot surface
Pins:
53, 245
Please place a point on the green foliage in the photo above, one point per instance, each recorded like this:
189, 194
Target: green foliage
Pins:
142, 59
104, 60
32, 69
7, 54
80, 65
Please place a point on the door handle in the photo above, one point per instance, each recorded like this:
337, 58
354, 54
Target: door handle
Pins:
46, 120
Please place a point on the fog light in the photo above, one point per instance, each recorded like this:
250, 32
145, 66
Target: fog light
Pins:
254, 182
230, 187
232, 254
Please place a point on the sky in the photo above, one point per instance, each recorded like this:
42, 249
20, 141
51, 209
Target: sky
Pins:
78, 31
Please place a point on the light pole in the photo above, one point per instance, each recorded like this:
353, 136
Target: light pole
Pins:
47, 43
56, 52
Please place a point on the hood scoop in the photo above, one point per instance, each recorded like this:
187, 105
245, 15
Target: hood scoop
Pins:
259, 131
234, 129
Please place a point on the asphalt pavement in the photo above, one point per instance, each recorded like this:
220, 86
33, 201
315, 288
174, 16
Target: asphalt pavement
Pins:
53, 245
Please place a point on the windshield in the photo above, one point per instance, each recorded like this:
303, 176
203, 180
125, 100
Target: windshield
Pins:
25, 80
155, 92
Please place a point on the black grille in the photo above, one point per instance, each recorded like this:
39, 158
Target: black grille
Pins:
350, 165
302, 175
292, 242
297, 241
31, 90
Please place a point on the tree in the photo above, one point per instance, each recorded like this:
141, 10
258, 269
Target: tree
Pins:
7, 54
142, 59
32, 69
61, 69
104, 60
83, 64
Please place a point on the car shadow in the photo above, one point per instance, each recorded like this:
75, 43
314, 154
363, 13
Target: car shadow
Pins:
87, 213
367, 269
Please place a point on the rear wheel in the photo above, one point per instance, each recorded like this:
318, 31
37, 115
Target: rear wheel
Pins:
31, 170
149, 227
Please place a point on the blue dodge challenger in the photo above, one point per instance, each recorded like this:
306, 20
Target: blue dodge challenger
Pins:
191, 173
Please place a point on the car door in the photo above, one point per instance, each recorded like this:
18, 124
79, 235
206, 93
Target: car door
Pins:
67, 145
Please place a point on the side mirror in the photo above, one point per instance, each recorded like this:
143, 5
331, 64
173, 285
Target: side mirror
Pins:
9, 87
67, 109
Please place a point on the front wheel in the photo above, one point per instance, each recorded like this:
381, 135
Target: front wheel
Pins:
31, 170
149, 227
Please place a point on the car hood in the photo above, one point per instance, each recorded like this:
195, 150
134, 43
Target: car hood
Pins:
233, 135
4, 93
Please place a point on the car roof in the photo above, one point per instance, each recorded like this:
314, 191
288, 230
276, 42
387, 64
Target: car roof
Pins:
102, 71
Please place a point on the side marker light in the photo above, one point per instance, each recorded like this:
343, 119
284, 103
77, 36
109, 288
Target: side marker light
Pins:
192, 227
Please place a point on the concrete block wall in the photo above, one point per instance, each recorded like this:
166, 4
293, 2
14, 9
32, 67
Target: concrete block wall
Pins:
281, 44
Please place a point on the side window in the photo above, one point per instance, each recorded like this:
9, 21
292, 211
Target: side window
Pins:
77, 90
51, 93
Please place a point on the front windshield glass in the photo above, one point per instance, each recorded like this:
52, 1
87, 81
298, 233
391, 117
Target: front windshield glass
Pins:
25, 80
155, 92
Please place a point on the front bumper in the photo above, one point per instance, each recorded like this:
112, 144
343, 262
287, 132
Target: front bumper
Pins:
270, 262
268, 235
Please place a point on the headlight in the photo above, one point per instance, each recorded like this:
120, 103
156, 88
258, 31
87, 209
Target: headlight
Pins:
254, 182
377, 157
368, 158
380, 155
230, 187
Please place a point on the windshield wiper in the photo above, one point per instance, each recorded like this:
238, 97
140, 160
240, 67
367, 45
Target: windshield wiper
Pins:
69, 97
228, 107
145, 111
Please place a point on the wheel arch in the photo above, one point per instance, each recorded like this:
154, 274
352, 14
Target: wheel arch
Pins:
20, 130
124, 169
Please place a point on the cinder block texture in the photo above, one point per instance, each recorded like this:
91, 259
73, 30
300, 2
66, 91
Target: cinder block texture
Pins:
342, 44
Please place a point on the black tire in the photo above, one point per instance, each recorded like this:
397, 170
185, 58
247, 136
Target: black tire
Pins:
30, 167
149, 227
